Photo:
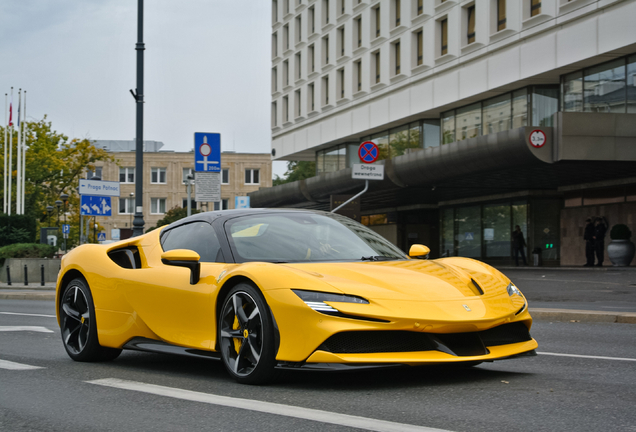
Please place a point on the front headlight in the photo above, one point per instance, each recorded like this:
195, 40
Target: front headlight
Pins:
316, 300
512, 290
518, 300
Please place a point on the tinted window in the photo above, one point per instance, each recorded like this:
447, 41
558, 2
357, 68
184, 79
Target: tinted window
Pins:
197, 236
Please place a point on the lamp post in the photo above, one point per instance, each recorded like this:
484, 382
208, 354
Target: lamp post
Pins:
58, 204
95, 230
49, 209
138, 226
132, 195
65, 199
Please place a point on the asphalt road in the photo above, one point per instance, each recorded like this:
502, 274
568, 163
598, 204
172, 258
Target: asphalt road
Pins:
544, 393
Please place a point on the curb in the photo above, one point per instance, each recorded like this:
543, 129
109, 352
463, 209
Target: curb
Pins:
544, 314
29, 295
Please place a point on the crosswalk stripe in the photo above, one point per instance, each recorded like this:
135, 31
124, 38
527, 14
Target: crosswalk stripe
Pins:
27, 314
38, 329
6, 364
266, 407
587, 356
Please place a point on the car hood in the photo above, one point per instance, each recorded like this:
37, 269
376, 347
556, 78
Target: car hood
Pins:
414, 280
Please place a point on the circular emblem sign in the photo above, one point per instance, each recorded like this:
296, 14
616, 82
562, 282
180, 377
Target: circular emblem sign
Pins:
537, 138
368, 152
205, 149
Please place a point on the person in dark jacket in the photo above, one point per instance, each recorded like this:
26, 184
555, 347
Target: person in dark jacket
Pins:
588, 236
599, 240
519, 245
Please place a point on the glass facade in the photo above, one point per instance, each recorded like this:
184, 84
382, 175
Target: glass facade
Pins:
545, 102
606, 88
497, 114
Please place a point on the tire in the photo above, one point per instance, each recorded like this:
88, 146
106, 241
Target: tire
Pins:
78, 326
245, 332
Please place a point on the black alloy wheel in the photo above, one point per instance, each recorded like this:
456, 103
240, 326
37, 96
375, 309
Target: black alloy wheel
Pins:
78, 327
246, 336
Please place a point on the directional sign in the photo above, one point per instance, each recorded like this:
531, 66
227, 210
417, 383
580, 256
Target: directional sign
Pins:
66, 228
101, 236
367, 172
95, 206
207, 152
368, 152
98, 188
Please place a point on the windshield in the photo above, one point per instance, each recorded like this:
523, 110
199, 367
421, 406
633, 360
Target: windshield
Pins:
305, 237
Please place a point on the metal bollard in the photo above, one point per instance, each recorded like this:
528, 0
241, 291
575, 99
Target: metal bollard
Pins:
8, 276
42, 274
26, 275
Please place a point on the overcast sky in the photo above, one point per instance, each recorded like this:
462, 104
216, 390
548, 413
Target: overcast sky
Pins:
207, 68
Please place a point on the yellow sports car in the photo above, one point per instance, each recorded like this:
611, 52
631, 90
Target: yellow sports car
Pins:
269, 288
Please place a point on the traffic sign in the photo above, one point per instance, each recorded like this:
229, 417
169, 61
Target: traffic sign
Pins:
66, 228
207, 152
368, 152
537, 138
241, 202
101, 236
207, 187
95, 206
367, 172
98, 188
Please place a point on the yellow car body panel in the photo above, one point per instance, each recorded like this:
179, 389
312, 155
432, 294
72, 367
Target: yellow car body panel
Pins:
157, 301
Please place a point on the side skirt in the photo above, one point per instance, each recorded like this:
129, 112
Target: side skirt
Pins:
155, 346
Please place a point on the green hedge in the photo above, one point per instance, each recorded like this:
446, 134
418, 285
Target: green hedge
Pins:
26, 250
17, 229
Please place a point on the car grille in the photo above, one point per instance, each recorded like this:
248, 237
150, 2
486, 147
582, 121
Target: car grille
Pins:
458, 344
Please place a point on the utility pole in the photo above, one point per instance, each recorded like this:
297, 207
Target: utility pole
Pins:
138, 223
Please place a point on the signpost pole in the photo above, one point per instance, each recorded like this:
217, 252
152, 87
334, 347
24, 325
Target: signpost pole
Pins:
81, 231
366, 186
138, 223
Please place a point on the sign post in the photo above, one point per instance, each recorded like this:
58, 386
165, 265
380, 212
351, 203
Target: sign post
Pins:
95, 200
207, 167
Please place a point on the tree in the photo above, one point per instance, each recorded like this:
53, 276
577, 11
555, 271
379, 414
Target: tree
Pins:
296, 170
54, 165
172, 215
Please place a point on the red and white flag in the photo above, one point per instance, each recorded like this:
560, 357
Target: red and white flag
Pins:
11, 111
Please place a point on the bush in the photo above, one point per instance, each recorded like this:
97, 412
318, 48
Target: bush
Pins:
17, 229
620, 232
26, 250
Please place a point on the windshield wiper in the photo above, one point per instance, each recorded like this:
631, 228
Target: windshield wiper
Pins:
377, 258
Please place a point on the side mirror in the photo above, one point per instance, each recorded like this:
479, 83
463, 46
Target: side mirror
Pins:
184, 258
419, 251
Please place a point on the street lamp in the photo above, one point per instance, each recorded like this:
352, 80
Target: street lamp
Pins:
49, 209
58, 204
65, 199
95, 230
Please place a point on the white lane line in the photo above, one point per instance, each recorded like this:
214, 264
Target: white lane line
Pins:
587, 356
6, 364
25, 328
266, 407
26, 314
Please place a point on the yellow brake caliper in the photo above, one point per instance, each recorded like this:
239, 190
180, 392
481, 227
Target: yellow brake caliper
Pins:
237, 341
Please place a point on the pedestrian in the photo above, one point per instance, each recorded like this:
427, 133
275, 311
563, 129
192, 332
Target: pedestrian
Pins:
519, 245
588, 236
599, 240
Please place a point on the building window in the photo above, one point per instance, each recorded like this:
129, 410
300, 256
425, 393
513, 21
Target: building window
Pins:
444, 36
312, 20
127, 175
96, 173
420, 7
535, 7
298, 28
310, 97
341, 83
157, 205
285, 109
341, 36
359, 31
325, 50
222, 205
274, 80
274, 114
377, 67
359, 75
398, 59
126, 205
286, 7
501, 15
286, 72
286, 36
376, 13
275, 44
275, 10
184, 203
419, 37
225, 176
311, 58
297, 102
398, 12
470, 29
325, 12
252, 176
185, 173
297, 66
325, 90
158, 175
342, 7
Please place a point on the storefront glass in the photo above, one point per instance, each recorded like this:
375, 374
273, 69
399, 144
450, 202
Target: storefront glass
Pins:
545, 102
399, 141
605, 87
430, 132
468, 122
468, 220
520, 108
497, 114
631, 84
573, 92
497, 235
448, 127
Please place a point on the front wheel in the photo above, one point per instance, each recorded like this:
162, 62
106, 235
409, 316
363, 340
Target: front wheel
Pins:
246, 336
77, 323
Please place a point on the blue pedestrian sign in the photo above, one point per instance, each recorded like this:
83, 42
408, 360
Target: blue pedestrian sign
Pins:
66, 228
101, 236
207, 152
95, 205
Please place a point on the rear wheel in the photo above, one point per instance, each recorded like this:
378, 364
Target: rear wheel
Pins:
246, 336
77, 323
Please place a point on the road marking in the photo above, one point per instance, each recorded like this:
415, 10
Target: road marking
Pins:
5, 364
25, 328
265, 407
26, 314
587, 356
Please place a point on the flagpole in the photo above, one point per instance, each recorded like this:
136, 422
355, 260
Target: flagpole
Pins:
18, 182
24, 149
6, 135
10, 172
